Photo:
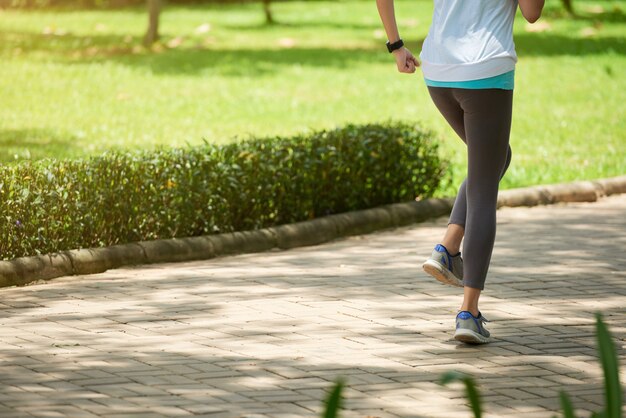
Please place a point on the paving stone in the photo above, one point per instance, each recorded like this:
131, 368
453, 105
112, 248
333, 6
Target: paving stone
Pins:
268, 334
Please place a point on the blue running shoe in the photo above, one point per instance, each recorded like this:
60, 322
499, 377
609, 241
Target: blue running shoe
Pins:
446, 268
471, 329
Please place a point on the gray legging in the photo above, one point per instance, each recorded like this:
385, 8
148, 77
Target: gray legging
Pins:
482, 118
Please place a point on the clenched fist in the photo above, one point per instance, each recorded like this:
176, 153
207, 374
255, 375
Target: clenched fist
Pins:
405, 60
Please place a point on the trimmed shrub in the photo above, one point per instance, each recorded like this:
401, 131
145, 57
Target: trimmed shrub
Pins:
50, 206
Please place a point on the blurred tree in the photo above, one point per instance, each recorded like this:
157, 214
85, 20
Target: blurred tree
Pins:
568, 6
154, 10
269, 19
152, 34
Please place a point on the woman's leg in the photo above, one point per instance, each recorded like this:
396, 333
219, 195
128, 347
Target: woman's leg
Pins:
456, 225
470, 300
482, 118
459, 212
452, 111
487, 121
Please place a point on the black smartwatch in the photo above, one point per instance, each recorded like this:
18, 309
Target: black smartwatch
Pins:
396, 45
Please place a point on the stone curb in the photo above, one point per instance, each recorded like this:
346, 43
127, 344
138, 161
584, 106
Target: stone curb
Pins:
25, 270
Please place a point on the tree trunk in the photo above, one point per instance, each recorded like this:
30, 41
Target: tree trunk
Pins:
152, 34
268, 12
568, 6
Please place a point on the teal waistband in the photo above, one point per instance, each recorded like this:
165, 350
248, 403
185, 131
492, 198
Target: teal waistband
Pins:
504, 81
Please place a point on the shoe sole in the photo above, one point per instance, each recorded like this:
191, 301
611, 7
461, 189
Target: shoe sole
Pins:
441, 273
470, 337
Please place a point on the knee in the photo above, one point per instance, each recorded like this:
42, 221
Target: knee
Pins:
509, 155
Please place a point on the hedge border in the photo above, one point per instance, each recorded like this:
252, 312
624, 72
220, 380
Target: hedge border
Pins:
26, 270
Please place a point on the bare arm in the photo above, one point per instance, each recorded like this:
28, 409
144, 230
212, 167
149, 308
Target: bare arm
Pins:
388, 16
531, 9
405, 61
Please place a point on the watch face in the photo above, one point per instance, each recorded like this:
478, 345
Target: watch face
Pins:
396, 45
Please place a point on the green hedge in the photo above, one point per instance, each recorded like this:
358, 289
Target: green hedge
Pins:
50, 206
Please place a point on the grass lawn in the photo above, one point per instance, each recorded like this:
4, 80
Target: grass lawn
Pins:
74, 83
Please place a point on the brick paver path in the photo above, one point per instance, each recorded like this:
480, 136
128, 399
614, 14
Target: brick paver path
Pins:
264, 335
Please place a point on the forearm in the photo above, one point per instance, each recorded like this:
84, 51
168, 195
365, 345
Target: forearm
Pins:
531, 9
388, 17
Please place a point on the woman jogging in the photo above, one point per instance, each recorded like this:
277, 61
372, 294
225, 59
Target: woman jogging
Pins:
468, 63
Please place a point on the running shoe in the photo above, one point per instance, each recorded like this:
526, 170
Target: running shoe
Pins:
446, 268
471, 329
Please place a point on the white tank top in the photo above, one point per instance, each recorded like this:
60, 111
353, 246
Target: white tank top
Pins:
469, 40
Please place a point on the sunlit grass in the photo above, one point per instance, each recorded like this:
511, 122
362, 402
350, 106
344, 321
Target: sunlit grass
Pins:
74, 83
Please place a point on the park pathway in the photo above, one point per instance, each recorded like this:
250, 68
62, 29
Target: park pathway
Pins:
265, 335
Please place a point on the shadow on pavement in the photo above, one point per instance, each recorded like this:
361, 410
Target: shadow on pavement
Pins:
268, 333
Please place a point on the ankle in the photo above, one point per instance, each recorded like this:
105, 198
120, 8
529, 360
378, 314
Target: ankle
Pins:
452, 249
452, 238
473, 310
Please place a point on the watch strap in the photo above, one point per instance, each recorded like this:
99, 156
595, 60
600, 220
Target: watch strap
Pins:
395, 45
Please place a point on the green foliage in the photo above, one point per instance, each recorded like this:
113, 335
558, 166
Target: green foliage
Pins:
610, 365
333, 402
50, 206
566, 405
470, 389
